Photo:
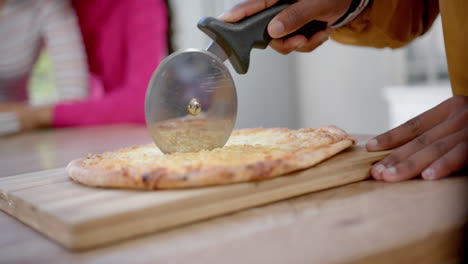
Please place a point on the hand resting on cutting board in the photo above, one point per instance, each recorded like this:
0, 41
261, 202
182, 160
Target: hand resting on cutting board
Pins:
434, 143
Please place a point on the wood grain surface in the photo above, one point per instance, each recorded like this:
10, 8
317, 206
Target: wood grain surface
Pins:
366, 222
80, 217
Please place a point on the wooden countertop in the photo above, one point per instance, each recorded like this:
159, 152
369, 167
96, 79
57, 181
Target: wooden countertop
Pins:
48, 149
367, 222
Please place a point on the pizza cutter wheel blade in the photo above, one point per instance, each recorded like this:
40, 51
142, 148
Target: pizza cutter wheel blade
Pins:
191, 101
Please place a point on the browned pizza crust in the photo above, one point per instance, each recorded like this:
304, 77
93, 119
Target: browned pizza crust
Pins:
250, 155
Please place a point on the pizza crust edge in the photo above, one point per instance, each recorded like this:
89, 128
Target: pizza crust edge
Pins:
161, 178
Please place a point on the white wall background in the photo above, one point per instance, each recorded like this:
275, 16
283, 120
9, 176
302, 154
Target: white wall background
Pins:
336, 84
342, 85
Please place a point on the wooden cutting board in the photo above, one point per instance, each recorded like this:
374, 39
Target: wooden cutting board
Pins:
80, 217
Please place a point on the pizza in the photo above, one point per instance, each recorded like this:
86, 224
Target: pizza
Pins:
249, 155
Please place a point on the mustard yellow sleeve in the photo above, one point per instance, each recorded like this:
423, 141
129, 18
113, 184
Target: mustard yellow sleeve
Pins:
389, 23
455, 23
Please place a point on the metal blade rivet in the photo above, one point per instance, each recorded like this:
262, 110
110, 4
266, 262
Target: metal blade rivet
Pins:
194, 107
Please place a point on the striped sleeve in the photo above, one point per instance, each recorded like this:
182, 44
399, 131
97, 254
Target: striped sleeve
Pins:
65, 46
352, 14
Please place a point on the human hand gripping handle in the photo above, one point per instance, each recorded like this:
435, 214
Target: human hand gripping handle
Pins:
294, 16
238, 39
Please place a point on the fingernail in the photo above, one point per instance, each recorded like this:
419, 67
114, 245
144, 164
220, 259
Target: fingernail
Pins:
225, 16
276, 28
377, 171
429, 174
372, 144
379, 168
389, 172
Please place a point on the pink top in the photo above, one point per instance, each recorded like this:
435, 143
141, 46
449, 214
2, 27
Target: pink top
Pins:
125, 41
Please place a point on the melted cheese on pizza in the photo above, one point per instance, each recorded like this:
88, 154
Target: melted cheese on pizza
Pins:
244, 147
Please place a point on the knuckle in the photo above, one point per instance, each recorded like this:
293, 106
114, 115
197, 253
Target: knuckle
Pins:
408, 165
392, 159
304, 50
459, 100
414, 125
439, 148
463, 146
459, 117
307, 48
464, 116
444, 163
422, 140
384, 139
294, 15
263, 3
451, 163
282, 50
279, 47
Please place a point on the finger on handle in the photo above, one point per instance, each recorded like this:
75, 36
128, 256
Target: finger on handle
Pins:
294, 17
246, 9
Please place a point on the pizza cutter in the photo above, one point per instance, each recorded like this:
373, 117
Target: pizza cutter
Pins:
191, 101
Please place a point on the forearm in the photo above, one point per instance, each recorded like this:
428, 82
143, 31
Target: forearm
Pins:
27, 117
43, 116
389, 23
119, 107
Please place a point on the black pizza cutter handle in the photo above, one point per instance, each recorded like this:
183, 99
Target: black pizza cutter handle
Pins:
238, 39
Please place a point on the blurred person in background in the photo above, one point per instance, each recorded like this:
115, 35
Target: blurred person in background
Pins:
27, 27
124, 41
434, 144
